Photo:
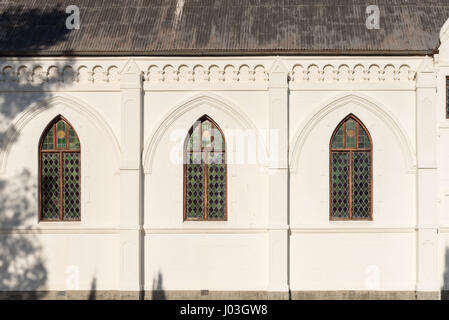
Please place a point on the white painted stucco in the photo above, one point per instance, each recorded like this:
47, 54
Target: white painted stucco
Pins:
132, 113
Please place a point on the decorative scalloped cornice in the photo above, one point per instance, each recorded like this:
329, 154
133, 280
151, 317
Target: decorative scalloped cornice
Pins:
356, 73
66, 74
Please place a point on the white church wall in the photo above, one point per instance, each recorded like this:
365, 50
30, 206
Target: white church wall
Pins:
233, 254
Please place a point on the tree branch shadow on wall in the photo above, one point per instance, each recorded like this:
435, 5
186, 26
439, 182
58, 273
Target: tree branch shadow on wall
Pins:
23, 274
445, 287
158, 292
22, 267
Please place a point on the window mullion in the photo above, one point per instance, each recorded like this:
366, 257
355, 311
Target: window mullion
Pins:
205, 187
61, 189
350, 185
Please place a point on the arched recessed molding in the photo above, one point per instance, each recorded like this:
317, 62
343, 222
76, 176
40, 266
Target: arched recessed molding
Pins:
21, 120
367, 103
213, 101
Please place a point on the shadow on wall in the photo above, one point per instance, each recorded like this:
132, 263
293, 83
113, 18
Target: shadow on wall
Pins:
158, 292
22, 266
445, 287
26, 84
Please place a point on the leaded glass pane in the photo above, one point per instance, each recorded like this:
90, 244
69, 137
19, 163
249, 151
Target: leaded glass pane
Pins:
216, 158
50, 186
194, 189
194, 139
350, 134
194, 158
74, 143
363, 139
71, 186
219, 144
361, 185
216, 189
206, 134
61, 135
340, 185
48, 140
338, 139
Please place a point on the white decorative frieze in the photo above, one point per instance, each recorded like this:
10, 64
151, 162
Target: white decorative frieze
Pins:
345, 73
64, 74
170, 74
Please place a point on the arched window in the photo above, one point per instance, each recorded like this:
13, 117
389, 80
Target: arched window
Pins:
351, 171
205, 172
60, 172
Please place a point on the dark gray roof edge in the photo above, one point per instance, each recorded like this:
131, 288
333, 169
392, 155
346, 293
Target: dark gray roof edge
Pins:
221, 53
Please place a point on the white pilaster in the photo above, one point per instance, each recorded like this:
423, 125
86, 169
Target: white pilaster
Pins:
426, 126
278, 169
130, 176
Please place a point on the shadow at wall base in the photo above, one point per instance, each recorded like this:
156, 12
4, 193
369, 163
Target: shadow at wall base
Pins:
223, 295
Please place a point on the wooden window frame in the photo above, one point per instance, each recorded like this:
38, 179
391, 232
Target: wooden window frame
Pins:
350, 151
60, 152
206, 151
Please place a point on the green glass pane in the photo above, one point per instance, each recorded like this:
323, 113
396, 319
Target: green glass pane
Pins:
340, 185
48, 140
216, 158
206, 141
194, 189
338, 139
363, 139
194, 158
218, 140
361, 185
60, 135
216, 188
72, 186
350, 134
74, 143
50, 194
194, 139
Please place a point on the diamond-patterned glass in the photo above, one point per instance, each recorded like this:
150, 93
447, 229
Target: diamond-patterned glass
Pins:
361, 185
71, 186
205, 172
340, 185
216, 186
47, 144
50, 191
194, 188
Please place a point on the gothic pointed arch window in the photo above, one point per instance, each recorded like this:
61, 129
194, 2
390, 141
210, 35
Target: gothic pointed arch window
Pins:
205, 188
351, 171
60, 172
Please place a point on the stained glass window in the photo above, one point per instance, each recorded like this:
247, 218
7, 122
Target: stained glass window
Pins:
350, 171
205, 172
60, 173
